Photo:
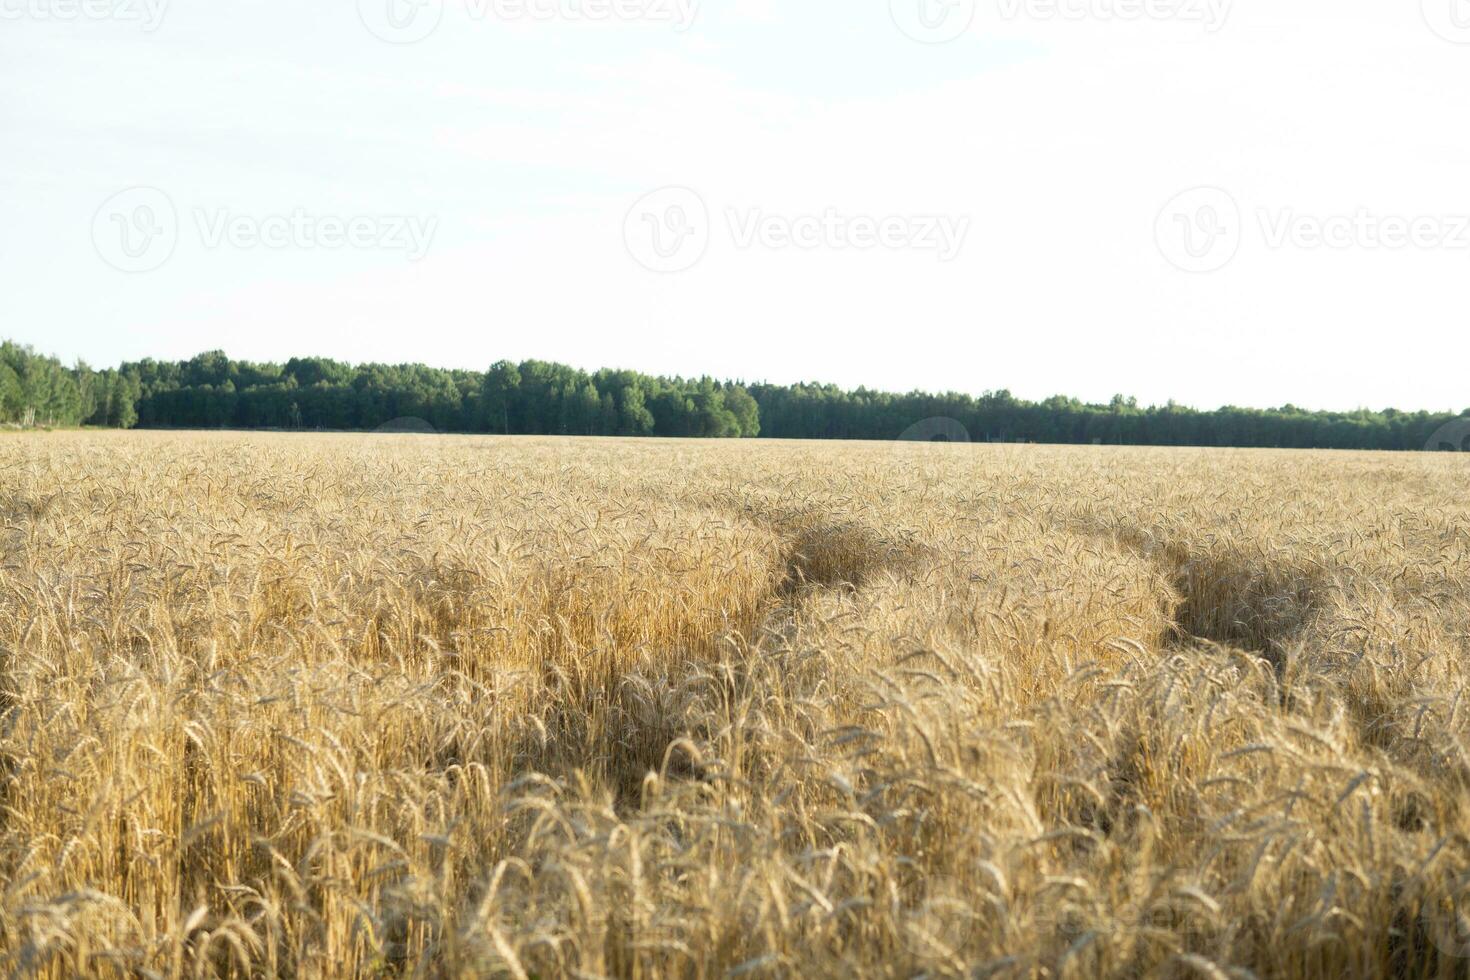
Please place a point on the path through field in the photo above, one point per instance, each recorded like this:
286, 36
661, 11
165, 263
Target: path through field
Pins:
418, 705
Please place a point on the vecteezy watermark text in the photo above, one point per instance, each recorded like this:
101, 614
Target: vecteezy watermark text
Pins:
1209, 14
301, 229
831, 229
148, 14
1364, 229
670, 230
138, 230
941, 21
410, 21
1203, 229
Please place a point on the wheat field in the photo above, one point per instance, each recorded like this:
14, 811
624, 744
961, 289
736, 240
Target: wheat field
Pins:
335, 705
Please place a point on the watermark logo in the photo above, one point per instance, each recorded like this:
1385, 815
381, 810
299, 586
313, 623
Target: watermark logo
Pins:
668, 230
408, 425
1199, 231
401, 21
1452, 437
1448, 920
938, 429
148, 14
680, 14
411, 21
938, 919
942, 21
933, 21
136, 230
1211, 15
1450, 19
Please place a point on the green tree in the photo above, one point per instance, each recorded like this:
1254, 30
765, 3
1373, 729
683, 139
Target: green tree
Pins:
502, 384
747, 413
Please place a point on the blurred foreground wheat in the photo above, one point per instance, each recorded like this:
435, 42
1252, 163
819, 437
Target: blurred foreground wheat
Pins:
352, 706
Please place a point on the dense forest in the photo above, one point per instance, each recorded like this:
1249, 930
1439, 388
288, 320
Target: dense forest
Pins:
540, 398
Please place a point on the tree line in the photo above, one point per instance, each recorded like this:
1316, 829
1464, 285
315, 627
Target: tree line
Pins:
39, 391
827, 412
541, 398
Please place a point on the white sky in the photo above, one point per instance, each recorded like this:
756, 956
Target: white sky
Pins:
528, 140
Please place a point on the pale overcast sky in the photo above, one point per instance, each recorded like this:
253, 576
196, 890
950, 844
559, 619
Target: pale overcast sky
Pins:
937, 194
